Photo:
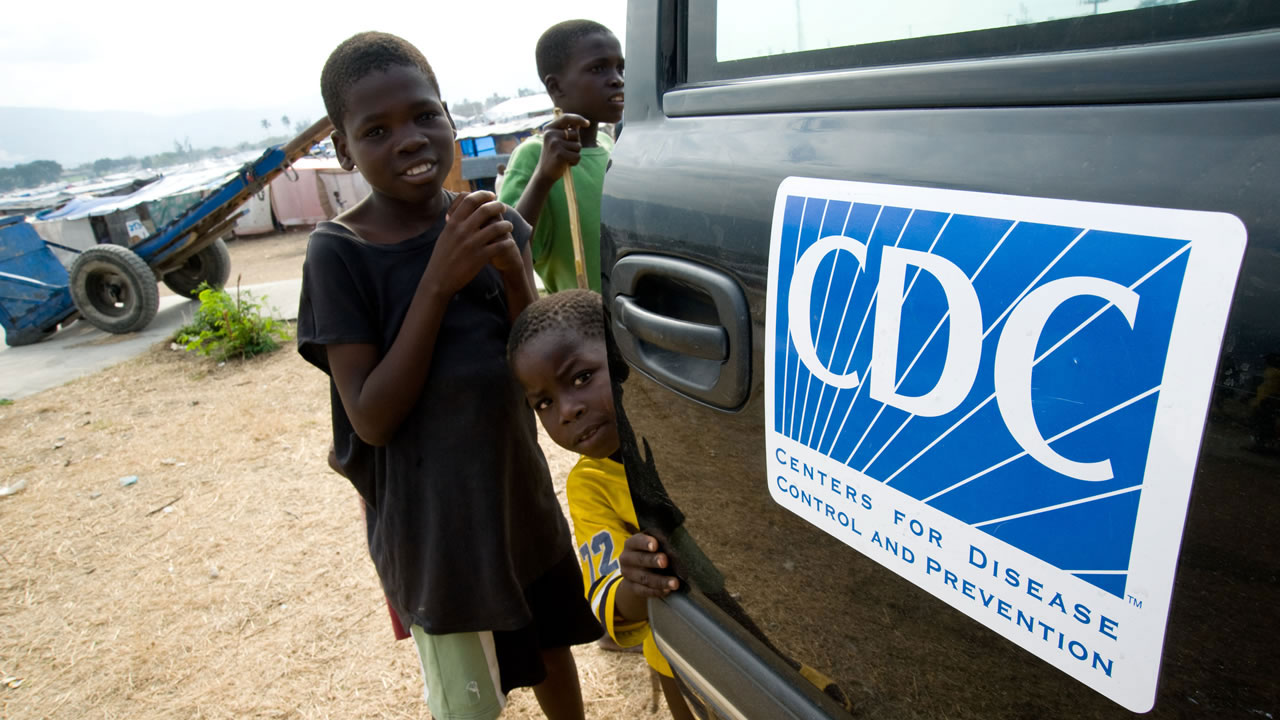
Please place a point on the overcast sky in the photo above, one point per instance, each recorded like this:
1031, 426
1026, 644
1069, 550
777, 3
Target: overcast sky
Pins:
179, 57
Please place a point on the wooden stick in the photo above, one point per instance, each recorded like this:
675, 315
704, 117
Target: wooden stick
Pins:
575, 225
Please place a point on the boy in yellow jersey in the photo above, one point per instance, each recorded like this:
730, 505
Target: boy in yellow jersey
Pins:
557, 352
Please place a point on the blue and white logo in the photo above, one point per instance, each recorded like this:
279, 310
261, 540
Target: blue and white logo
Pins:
1000, 398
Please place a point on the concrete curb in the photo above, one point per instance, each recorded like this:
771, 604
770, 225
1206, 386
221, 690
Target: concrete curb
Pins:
83, 349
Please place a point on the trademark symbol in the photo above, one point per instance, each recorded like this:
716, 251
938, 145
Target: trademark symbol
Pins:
1135, 601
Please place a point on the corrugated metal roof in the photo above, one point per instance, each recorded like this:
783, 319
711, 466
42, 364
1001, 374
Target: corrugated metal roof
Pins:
510, 127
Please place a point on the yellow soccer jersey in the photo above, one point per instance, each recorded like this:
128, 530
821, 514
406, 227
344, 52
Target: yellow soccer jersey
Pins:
603, 519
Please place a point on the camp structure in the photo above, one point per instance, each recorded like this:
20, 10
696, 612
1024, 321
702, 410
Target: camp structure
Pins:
86, 220
483, 146
314, 189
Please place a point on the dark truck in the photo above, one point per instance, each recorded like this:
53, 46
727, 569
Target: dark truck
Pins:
952, 335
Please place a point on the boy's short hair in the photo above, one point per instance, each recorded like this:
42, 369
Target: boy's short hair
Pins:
555, 45
360, 55
579, 311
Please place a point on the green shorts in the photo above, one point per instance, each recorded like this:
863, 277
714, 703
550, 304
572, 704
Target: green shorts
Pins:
460, 675
467, 675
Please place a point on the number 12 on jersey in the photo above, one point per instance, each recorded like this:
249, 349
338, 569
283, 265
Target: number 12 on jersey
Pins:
598, 555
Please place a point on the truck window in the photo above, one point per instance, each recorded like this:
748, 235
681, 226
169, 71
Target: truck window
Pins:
744, 38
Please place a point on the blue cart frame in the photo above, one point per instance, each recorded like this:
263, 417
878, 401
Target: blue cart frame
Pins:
114, 287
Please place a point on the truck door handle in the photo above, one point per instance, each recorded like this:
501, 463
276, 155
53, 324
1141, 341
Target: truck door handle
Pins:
685, 325
689, 338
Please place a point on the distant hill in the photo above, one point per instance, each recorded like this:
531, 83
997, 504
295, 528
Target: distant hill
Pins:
73, 137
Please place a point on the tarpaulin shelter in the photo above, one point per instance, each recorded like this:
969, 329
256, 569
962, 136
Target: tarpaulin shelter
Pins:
85, 220
314, 189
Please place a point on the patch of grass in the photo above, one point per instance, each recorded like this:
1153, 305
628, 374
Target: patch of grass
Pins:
227, 326
5, 401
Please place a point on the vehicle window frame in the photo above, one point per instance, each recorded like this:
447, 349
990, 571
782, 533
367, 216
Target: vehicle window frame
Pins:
1157, 24
1190, 69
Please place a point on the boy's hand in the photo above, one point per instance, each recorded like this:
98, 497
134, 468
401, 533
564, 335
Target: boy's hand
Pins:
506, 256
639, 556
474, 233
560, 145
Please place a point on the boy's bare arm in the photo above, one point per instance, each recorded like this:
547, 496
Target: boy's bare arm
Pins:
378, 394
639, 556
560, 150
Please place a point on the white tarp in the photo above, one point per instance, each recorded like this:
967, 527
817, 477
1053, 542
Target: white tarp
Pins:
256, 217
342, 189
177, 183
510, 127
314, 189
76, 234
521, 107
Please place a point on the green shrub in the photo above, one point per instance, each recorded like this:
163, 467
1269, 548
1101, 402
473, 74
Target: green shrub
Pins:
226, 326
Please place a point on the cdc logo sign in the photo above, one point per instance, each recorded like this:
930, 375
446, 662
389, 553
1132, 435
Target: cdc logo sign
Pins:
1000, 399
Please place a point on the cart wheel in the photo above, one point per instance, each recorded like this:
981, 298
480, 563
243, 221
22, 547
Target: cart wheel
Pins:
114, 289
211, 265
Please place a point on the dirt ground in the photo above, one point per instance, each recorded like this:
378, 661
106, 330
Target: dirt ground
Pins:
231, 580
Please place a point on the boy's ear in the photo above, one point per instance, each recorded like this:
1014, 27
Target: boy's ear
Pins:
449, 115
552, 83
340, 149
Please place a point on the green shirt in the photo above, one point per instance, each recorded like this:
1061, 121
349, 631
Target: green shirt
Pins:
552, 245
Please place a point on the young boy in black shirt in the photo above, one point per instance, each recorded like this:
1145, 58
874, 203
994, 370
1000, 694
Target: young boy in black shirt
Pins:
407, 301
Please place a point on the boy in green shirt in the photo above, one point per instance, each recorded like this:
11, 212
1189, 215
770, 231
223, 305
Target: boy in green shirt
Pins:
580, 63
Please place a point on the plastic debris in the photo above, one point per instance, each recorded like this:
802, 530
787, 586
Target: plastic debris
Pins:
13, 488
95, 495
128, 480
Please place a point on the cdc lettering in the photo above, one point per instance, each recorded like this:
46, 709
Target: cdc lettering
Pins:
1015, 347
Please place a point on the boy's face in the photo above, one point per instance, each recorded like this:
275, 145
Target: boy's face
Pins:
566, 380
591, 83
398, 134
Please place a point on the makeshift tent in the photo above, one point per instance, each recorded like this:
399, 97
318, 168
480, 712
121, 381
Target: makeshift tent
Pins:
520, 107
314, 189
342, 189
256, 217
295, 195
85, 220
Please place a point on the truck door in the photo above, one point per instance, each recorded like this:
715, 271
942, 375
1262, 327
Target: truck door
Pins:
953, 358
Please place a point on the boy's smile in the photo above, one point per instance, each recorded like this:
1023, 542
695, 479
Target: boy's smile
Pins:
591, 84
566, 379
398, 134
